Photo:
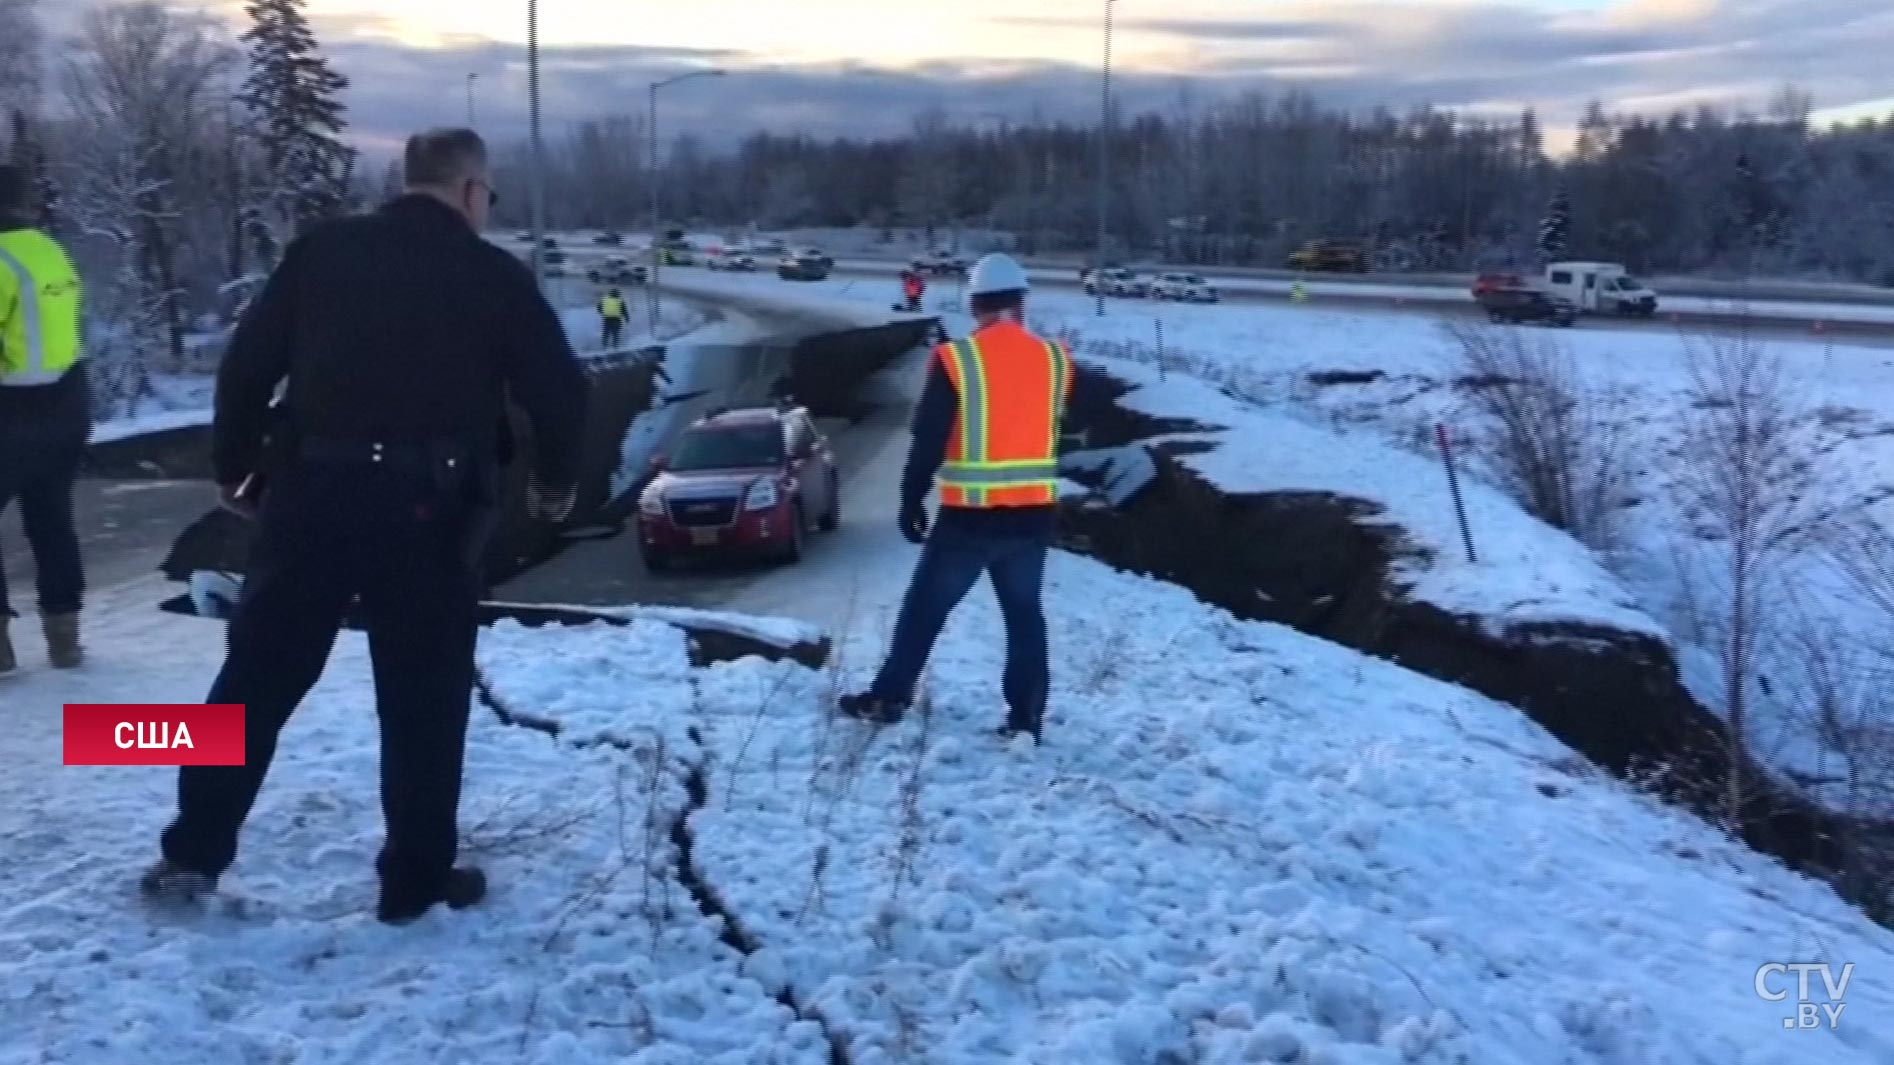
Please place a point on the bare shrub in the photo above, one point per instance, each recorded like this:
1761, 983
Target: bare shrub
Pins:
1552, 440
1843, 705
1745, 475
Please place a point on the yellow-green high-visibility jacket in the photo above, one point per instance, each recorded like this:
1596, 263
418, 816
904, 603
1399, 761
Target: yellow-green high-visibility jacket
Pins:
39, 309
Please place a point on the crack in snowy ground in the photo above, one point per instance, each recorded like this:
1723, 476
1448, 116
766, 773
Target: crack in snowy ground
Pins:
709, 900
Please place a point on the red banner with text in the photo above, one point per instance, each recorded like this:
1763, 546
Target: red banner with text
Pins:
154, 734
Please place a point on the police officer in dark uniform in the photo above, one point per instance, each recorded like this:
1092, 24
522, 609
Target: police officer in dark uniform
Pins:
398, 334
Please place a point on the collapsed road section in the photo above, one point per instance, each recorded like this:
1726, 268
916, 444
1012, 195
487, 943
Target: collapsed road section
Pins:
640, 401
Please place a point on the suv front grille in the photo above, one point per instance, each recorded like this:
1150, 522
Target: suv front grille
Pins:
703, 512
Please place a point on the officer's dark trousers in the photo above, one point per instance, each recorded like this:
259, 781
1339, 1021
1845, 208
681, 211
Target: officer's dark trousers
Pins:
953, 559
328, 533
43, 434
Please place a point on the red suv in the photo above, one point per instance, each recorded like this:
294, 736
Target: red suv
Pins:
749, 480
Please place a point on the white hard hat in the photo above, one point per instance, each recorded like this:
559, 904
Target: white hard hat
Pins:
995, 273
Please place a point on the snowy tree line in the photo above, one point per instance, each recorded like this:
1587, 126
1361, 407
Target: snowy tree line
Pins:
1247, 180
175, 161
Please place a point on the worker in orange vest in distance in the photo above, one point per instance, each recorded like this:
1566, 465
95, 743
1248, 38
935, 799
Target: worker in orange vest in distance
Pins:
913, 287
987, 432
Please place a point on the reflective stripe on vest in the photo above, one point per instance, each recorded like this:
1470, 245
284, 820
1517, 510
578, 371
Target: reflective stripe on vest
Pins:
972, 476
34, 351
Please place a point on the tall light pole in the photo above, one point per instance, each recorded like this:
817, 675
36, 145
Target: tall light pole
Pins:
1104, 163
470, 107
537, 177
651, 127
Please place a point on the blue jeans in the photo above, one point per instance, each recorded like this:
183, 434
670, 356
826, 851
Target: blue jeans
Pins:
952, 560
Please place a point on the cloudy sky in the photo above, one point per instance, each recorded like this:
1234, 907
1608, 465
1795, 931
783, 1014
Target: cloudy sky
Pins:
866, 66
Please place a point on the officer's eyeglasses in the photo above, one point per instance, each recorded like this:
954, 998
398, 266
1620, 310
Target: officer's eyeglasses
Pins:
493, 197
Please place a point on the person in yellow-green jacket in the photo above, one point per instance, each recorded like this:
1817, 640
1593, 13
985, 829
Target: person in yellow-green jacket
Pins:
45, 414
611, 316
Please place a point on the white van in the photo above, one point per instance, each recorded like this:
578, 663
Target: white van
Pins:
1600, 288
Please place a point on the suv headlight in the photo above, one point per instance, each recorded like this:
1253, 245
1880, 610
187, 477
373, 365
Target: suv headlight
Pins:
652, 503
761, 496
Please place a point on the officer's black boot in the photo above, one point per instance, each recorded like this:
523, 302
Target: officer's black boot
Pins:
1020, 724
461, 888
170, 883
871, 707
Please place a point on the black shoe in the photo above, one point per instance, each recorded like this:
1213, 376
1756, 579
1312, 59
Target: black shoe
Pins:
870, 707
173, 884
460, 889
1015, 726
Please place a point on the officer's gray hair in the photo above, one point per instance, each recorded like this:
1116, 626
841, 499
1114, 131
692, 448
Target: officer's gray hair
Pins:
442, 157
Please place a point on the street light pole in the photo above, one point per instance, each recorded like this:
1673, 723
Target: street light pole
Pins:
652, 299
1104, 163
470, 102
538, 178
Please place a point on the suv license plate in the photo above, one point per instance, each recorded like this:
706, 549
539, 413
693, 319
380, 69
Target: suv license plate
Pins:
702, 537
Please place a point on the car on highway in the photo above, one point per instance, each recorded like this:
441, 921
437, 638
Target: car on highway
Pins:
939, 263
1513, 304
617, 270
1184, 288
1330, 256
746, 480
609, 238
804, 264
548, 243
737, 260
1118, 281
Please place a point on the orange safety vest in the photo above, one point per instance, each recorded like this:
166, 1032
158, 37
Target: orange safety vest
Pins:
1003, 451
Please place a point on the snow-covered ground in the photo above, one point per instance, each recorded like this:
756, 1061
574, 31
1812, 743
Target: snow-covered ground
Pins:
588, 950
180, 401
1663, 550
1240, 844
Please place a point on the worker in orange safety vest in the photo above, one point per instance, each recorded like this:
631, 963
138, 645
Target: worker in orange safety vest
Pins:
986, 433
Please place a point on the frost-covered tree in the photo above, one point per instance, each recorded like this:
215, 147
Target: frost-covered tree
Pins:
19, 52
27, 152
294, 99
1556, 228
141, 92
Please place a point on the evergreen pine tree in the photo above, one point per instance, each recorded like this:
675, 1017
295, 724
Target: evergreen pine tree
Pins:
297, 121
1556, 228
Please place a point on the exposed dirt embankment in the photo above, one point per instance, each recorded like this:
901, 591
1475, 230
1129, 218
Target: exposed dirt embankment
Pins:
1316, 562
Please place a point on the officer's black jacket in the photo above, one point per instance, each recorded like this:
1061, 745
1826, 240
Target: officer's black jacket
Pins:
401, 326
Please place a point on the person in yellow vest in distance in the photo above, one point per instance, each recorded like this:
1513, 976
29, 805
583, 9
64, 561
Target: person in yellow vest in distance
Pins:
45, 415
987, 433
611, 315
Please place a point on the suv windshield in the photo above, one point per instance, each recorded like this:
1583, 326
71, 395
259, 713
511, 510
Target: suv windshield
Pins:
729, 447
1628, 283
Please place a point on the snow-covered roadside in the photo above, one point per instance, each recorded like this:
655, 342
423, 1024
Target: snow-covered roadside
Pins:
1392, 378
588, 950
1527, 576
1241, 844
179, 401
